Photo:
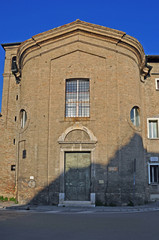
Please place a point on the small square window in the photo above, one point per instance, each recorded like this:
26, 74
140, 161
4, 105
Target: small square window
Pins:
12, 167
153, 128
157, 83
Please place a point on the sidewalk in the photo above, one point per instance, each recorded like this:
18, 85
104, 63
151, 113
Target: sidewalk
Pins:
54, 209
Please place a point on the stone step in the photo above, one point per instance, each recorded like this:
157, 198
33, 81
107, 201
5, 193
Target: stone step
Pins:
76, 204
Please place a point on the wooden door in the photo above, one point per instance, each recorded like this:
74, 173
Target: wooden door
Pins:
77, 176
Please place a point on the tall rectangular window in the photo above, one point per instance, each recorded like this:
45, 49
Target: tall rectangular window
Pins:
135, 116
153, 128
153, 170
157, 83
77, 98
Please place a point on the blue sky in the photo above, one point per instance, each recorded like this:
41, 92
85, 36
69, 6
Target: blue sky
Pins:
21, 19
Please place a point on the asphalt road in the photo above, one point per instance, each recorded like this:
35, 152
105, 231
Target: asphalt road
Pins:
22, 225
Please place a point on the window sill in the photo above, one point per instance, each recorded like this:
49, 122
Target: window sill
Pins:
76, 119
153, 138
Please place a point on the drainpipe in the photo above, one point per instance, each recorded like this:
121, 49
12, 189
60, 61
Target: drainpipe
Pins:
17, 167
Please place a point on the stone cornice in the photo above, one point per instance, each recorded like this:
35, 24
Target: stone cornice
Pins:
117, 37
7, 46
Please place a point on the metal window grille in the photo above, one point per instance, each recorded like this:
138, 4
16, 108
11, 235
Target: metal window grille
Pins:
77, 98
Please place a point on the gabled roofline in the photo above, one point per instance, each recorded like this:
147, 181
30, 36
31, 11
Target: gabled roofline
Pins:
78, 21
115, 36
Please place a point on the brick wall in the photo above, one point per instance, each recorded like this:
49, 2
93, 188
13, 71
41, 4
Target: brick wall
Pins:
113, 70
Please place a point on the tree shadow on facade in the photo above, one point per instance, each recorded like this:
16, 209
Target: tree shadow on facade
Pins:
122, 181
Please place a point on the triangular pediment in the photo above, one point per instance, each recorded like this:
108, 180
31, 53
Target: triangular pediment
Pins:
118, 38
79, 25
73, 28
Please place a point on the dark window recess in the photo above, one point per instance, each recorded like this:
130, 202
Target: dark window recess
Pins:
16, 97
14, 141
24, 154
154, 174
13, 167
15, 119
14, 65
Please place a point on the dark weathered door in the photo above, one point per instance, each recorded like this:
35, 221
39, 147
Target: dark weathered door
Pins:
77, 176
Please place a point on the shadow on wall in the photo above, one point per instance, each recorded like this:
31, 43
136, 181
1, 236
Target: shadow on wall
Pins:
123, 181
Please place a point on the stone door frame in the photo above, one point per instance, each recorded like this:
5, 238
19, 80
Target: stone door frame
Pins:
68, 146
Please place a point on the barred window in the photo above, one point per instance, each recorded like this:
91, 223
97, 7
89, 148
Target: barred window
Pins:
77, 98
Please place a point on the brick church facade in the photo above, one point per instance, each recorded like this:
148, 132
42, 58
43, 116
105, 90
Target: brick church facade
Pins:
80, 118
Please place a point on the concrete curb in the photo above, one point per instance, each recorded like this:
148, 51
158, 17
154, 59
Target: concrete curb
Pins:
97, 209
